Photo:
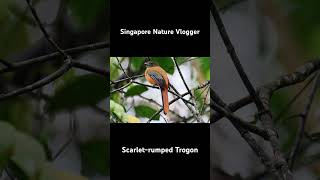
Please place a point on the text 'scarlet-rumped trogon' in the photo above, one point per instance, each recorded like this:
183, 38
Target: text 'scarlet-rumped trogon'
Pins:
157, 76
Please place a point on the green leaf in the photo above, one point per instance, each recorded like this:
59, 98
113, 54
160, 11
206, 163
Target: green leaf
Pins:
146, 111
136, 63
95, 158
86, 13
135, 90
28, 155
205, 66
18, 112
85, 90
117, 110
114, 71
165, 63
7, 136
181, 60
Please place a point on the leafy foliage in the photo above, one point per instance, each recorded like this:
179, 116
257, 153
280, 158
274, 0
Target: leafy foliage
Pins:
146, 111
165, 63
92, 9
27, 156
135, 90
85, 90
95, 155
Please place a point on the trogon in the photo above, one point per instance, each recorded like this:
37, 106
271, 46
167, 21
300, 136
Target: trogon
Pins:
157, 76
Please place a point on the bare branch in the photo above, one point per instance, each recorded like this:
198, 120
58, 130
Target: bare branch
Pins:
234, 57
175, 99
39, 83
45, 33
303, 120
184, 82
121, 88
126, 79
53, 56
124, 72
290, 103
7, 64
89, 68
73, 129
301, 74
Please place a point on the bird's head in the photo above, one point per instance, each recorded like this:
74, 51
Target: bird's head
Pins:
149, 63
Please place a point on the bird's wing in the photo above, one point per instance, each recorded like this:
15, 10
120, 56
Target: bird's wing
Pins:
157, 77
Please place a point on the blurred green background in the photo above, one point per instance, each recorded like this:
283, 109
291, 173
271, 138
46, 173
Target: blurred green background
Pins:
34, 127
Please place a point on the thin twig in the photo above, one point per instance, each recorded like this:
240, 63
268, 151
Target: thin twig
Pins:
73, 128
172, 92
262, 101
287, 106
300, 75
161, 109
156, 103
45, 33
234, 57
303, 120
89, 68
6, 63
46, 80
53, 56
121, 88
193, 111
222, 107
177, 98
252, 128
184, 82
124, 72
125, 79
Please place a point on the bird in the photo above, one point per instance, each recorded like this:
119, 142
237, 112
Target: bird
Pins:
155, 75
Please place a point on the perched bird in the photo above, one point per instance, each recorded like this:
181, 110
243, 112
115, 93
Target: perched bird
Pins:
157, 76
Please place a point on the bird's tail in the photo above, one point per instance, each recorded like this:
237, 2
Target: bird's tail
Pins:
165, 102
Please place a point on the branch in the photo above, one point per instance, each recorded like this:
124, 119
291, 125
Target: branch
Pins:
177, 98
125, 79
89, 68
53, 56
262, 101
73, 128
303, 120
39, 83
264, 158
232, 107
293, 100
301, 74
176, 93
124, 72
221, 107
7, 64
156, 103
45, 33
193, 111
155, 87
234, 56
245, 125
184, 82
121, 88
